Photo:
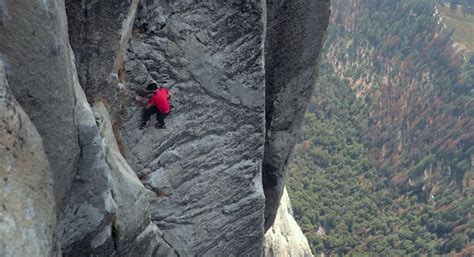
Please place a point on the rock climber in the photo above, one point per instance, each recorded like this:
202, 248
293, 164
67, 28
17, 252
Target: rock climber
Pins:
158, 104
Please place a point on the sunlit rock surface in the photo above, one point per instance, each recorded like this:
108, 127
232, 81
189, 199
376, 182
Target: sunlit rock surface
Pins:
285, 237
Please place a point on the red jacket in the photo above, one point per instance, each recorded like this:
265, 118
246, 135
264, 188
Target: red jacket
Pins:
160, 100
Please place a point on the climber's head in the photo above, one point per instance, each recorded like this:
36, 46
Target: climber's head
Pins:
152, 86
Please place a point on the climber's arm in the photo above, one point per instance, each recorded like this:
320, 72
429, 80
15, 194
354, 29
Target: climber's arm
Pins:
149, 104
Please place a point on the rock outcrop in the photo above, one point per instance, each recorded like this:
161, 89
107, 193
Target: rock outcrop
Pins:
295, 35
27, 210
285, 237
241, 73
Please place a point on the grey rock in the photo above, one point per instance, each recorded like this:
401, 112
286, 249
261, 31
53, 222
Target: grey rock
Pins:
238, 110
295, 34
86, 228
49, 89
134, 233
285, 237
108, 213
35, 45
91, 197
99, 32
206, 166
27, 207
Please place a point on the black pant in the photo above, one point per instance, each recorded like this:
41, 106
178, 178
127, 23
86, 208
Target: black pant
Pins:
160, 117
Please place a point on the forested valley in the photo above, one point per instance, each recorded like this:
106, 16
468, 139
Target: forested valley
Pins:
384, 163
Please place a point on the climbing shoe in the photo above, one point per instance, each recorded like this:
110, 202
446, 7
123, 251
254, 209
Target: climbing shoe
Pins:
158, 126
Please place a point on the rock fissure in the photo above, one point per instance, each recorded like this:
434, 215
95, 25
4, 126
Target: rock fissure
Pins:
115, 234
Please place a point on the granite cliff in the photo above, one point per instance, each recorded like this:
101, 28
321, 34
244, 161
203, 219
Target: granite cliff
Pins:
210, 184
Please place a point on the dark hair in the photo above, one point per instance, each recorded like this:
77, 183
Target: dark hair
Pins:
152, 86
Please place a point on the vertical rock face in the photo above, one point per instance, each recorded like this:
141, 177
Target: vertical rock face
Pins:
295, 33
285, 237
27, 209
207, 165
35, 44
99, 33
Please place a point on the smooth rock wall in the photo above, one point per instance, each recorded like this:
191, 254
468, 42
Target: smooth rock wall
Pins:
34, 43
99, 32
27, 206
295, 36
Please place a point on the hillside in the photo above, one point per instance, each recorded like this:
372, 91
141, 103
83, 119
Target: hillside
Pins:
388, 141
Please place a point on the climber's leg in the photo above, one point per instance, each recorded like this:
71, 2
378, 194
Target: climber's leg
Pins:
160, 118
147, 115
